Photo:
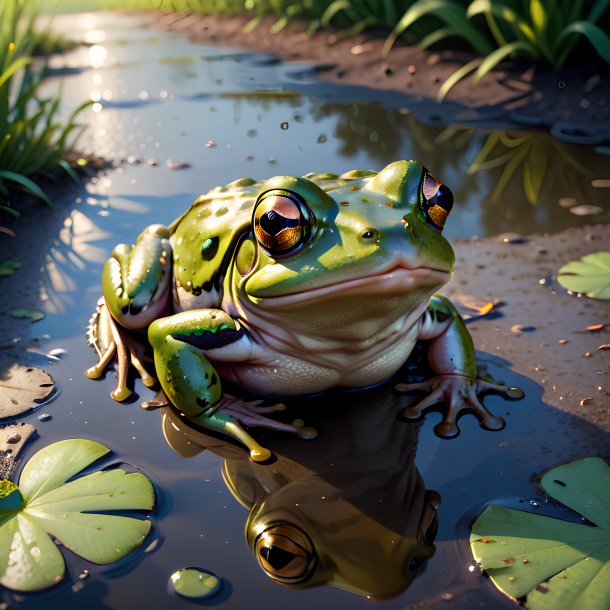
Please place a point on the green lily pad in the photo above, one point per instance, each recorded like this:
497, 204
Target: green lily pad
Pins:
553, 564
8, 267
26, 313
29, 559
589, 275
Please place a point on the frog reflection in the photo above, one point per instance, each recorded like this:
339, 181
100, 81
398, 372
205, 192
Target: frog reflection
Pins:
350, 511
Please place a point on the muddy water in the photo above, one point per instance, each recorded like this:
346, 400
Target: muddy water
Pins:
165, 100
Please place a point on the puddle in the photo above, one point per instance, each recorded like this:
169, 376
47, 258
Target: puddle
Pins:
161, 100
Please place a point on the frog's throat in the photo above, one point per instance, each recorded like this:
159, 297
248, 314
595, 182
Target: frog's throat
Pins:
396, 281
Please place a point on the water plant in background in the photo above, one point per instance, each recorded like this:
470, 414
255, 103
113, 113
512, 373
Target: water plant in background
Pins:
33, 141
44, 505
552, 563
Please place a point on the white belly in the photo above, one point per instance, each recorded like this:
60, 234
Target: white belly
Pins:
318, 366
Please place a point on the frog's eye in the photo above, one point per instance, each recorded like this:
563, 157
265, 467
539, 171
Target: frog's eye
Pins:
285, 553
282, 222
437, 201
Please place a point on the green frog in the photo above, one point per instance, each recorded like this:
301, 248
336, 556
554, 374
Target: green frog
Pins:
289, 287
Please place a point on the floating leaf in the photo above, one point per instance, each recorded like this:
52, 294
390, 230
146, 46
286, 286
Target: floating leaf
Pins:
27, 314
23, 388
470, 306
589, 275
555, 564
8, 267
29, 559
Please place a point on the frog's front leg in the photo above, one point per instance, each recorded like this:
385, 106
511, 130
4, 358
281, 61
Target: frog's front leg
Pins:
136, 286
191, 383
456, 382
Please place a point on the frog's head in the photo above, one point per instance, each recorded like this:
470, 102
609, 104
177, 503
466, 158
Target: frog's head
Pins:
355, 252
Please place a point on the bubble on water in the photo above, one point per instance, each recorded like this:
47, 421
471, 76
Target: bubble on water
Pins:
322, 138
194, 583
284, 125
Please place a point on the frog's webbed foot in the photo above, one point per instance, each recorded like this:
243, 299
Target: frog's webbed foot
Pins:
230, 413
460, 394
109, 340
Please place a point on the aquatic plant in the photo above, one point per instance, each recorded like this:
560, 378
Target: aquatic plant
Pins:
552, 563
44, 505
33, 142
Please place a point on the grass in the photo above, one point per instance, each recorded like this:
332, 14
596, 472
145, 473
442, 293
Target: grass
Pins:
33, 142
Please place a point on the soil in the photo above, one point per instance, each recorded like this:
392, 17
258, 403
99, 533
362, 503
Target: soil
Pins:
573, 103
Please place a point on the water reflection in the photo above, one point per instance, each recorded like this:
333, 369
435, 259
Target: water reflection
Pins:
349, 509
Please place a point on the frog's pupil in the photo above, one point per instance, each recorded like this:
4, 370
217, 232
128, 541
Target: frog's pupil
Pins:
276, 557
272, 223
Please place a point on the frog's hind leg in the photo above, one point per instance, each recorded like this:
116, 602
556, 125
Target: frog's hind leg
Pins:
108, 341
231, 413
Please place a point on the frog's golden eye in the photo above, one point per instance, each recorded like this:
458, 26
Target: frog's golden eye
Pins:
285, 553
282, 222
437, 201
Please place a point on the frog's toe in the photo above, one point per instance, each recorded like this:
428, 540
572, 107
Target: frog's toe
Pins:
415, 411
447, 429
486, 386
486, 418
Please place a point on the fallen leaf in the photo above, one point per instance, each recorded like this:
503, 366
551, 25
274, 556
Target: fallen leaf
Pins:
595, 327
23, 388
470, 306
25, 313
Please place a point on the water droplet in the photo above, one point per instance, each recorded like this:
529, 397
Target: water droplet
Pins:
534, 503
84, 574
284, 125
45, 417
194, 583
322, 138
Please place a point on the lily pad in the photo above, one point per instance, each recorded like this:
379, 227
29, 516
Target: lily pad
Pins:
23, 388
26, 313
553, 564
589, 275
8, 267
47, 507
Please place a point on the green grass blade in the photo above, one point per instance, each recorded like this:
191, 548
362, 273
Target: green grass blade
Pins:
26, 183
458, 75
493, 59
18, 64
333, 9
593, 33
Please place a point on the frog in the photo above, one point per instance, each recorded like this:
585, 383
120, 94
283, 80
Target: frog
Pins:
291, 286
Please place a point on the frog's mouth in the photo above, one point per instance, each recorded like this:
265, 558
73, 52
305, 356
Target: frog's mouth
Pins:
394, 282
